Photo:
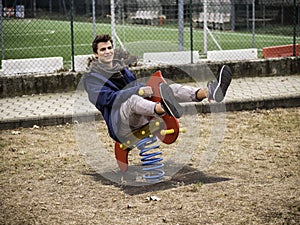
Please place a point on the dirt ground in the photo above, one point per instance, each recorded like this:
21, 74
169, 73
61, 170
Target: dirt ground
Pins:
254, 179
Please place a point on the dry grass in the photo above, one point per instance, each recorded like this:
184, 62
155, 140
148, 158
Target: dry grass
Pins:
254, 180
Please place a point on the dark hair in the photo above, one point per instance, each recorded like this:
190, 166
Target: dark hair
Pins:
101, 38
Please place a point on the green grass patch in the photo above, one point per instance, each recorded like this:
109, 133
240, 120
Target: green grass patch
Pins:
31, 38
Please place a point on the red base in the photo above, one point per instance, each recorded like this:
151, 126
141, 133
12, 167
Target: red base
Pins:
121, 157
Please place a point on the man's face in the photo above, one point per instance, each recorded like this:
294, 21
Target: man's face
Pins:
105, 52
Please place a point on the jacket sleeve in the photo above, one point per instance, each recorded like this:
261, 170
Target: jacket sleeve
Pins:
108, 96
103, 93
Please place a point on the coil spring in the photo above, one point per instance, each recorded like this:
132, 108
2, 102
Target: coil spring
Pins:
151, 164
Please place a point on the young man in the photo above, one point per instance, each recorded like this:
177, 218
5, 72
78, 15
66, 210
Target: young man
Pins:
115, 92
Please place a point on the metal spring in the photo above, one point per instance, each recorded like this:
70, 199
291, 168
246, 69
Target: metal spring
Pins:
151, 164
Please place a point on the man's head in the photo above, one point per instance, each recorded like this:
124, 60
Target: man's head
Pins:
103, 48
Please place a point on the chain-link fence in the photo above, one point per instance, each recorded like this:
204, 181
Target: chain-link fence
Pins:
45, 36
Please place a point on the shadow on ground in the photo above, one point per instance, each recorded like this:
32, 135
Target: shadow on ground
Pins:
186, 176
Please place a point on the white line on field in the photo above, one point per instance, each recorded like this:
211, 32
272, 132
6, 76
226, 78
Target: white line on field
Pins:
42, 47
39, 32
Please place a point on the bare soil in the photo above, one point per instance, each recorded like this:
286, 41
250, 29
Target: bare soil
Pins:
254, 179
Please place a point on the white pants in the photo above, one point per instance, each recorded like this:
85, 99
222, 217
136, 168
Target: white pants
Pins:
136, 111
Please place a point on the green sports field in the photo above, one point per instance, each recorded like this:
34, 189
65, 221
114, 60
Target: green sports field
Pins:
32, 38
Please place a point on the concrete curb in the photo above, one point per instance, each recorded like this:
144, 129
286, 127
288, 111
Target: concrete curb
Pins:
248, 104
18, 85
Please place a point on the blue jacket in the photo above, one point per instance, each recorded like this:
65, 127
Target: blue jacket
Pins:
107, 97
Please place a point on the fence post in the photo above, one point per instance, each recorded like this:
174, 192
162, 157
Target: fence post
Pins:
253, 23
94, 17
233, 15
34, 8
205, 27
180, 25
72, 35
191, 29
295, 32
112, 13
2, 32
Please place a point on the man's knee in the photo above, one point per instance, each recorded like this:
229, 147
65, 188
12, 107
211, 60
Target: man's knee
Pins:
128, 106
135, 98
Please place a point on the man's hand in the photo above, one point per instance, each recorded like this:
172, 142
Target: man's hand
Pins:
146, 91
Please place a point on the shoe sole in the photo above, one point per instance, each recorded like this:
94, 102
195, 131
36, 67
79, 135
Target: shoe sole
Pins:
170, 100
223, 84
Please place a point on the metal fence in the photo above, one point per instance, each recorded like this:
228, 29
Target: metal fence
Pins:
48, 36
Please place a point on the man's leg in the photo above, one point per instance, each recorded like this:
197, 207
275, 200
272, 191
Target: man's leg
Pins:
135, 112
185, 93
216, 90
